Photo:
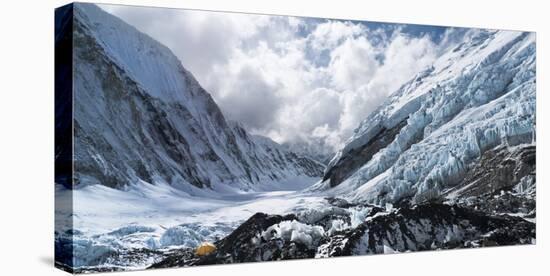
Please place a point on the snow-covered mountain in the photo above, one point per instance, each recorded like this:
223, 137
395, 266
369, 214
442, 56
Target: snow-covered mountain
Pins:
476, 102
448, 161
139, 115
317, 150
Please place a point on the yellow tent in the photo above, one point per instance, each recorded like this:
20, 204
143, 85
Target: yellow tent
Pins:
205, 248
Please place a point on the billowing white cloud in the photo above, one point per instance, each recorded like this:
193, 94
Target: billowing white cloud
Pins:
330, 34
296, 80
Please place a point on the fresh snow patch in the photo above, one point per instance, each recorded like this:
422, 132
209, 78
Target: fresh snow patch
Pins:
295, 231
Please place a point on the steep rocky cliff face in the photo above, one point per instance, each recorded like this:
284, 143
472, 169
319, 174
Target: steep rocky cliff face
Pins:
140, 116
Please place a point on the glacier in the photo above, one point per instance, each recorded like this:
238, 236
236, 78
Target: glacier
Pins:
156, 165
478, 96
447, 161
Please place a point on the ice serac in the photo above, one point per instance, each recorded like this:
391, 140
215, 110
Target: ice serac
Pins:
139, 115
423, 140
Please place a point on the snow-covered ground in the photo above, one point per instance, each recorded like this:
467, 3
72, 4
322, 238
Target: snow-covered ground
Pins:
161, 217
98, 208
208, 175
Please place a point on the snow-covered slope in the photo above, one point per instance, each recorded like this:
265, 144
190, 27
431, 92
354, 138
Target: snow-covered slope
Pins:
317, 150
422, 141
139, 115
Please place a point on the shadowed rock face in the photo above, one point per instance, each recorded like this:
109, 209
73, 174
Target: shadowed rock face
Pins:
436, 226
357, 157
63, 93
498, 169
96, 156
503, 181
148, 119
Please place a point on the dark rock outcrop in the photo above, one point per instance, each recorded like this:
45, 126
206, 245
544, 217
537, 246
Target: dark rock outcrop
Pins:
429, 227
357, 157
422, 227
503, 181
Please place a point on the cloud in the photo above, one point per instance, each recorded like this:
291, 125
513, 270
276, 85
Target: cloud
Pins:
330, 34
296, 80
353, 63
199, 39
255, 96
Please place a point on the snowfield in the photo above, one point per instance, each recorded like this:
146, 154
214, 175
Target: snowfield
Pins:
101, 209
156, 164
448, 161
156, 217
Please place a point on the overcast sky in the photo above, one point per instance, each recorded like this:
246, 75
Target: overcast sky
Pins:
298, 80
